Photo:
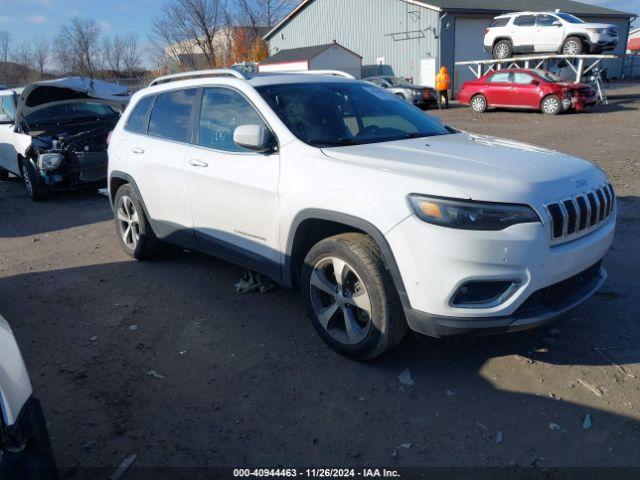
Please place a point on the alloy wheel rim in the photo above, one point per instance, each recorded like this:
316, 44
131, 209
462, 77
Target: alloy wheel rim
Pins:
502, 51
550, 105
27, 179
571, 48
128, 222
340, 301
477, 104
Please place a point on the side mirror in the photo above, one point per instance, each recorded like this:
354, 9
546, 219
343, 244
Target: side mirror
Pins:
254, 137
557, 23
535, 82
5, 119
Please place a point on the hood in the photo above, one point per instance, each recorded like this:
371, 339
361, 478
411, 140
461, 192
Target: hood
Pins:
573, 85
41, 94
598, 25
484, 168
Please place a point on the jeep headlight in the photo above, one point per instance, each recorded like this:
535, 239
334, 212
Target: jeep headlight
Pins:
50, 161
596, 30
469, 215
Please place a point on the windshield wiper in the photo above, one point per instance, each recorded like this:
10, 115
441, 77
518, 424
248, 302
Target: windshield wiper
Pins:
340, 142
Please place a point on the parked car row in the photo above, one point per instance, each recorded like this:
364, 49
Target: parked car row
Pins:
419, 96
527, 89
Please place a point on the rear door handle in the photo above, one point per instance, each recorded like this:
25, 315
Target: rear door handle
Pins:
137, 151
198, 163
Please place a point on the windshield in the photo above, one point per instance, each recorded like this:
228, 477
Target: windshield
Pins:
569, 18
548, 76
71, 112
338, 114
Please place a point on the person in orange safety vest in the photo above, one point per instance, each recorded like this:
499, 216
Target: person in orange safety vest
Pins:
443, 82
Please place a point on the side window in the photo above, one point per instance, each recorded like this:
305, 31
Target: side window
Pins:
137, 121
7, 107
525, 21
546, 20
500, 78
223, 110
499, 22
171, 115
522, 78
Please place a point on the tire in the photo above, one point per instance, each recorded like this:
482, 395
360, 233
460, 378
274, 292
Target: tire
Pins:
551, 105
363, 270
572, 46
132, 226
34, 184
478, 103
4, 175
503, 49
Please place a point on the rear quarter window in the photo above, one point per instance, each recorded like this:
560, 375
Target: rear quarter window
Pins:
499, 22
137, 121
171, 115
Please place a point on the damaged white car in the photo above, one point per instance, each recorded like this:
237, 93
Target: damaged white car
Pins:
54, 134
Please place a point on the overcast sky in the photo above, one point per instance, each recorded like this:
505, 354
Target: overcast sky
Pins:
25, 19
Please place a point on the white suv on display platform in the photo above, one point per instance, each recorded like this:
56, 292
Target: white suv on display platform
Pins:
381, 215
547, 32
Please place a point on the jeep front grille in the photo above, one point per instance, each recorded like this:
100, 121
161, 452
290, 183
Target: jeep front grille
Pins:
574, 215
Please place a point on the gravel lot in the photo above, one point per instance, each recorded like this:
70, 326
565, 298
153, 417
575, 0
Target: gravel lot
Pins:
246, 380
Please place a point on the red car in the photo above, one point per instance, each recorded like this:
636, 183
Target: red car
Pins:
526, 88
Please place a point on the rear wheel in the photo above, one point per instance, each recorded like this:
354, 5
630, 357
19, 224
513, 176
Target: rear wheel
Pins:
351, 298
34, 184
503, 49
132, 226
478, 103
572, 46
551, 105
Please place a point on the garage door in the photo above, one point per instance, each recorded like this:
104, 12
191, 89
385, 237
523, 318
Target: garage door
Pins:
469, 45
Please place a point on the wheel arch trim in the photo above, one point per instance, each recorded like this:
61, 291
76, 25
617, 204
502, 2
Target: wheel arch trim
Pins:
365, 226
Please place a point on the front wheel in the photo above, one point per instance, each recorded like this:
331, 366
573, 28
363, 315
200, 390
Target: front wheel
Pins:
132, 226
572, 46
351, 298
33, 182
551, 105
479, 103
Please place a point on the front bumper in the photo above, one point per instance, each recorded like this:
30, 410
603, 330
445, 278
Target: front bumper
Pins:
601, 43
436, 267
581, 102
533, 313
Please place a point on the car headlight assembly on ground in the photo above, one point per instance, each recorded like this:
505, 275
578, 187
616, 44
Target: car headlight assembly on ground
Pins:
50, 161
469, 215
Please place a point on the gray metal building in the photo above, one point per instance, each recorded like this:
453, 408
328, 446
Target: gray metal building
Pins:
412, 38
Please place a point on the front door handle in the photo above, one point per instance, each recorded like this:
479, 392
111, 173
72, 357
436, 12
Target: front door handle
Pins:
198, 163
137, 151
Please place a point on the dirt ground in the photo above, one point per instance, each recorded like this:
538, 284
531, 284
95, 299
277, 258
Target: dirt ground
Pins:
247, 382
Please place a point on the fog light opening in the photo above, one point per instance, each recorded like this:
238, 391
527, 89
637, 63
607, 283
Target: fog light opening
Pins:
484, 294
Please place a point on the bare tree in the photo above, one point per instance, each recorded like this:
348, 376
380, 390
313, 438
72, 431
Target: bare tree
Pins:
132, 56
113, 51
189, 29
263, 13
77, 47
41, 53
23, 56
5, 47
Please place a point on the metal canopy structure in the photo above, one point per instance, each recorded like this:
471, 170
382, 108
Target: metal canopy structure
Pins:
580, 64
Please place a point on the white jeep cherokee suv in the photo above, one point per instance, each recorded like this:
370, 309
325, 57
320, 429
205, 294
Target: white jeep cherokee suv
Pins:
547, 32
382, 216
